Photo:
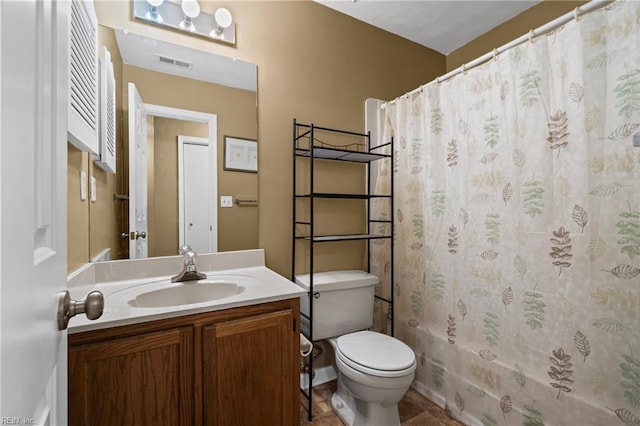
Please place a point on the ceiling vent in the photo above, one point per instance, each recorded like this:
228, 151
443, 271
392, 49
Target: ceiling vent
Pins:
174, 61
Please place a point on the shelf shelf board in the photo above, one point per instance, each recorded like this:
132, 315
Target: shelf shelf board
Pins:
340, 154
342, 196
350, 237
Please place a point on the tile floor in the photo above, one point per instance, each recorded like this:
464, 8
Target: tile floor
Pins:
415, 410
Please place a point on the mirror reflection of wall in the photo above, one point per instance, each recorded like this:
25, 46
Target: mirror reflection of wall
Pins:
236, 111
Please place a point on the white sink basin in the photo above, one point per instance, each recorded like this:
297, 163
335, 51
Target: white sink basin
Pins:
165, 294
186, 294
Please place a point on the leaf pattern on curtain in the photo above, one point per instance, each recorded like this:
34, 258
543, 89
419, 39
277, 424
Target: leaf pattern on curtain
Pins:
518, 229
558, 131
628, 93
532, 196
561, 249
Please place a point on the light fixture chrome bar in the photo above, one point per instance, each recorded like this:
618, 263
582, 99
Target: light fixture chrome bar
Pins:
171, 15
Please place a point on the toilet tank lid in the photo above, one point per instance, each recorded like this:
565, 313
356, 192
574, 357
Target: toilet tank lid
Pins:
337, 280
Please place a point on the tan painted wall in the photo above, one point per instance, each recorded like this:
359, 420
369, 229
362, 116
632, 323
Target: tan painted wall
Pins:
530, 19
314, 64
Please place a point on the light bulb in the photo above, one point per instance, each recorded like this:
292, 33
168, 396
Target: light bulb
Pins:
223, 17
223, 20
191, 8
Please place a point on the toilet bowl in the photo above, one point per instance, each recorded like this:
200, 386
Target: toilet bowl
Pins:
374, 373
374, 370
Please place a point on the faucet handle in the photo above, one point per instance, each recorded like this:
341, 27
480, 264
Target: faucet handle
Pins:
189, 255
190, 258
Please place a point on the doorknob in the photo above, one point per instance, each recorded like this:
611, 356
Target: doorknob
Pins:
92, 306
135, 235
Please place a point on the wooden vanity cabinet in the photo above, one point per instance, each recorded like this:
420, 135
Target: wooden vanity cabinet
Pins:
233, 367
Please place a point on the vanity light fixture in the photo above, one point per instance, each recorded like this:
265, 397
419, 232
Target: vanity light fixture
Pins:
187, 16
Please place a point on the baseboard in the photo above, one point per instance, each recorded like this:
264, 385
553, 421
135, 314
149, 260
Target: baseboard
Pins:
323, 375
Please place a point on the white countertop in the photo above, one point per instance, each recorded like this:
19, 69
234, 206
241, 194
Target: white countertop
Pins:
260, 284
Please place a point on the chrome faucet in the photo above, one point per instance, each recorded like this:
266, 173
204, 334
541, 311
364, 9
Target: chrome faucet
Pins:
188, 272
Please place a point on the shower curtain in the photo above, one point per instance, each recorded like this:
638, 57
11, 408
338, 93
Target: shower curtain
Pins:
517, 211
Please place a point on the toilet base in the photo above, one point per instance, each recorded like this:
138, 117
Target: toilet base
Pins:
354, 412
342, 410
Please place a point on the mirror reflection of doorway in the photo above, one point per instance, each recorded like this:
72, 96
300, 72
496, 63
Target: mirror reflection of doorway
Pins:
159, 223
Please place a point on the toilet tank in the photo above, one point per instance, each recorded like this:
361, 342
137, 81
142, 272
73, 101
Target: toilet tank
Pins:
343, 302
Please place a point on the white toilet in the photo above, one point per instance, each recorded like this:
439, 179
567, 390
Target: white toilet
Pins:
374, 370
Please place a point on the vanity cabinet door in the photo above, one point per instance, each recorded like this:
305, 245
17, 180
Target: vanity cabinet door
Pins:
145, 379
249, 372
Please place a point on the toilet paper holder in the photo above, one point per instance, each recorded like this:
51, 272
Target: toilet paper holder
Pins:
305, 346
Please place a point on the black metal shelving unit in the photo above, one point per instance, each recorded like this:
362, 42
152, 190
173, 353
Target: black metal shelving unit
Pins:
308, 147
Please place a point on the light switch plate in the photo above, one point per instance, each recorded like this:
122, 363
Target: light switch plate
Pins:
93, 192
226, 201
83, 185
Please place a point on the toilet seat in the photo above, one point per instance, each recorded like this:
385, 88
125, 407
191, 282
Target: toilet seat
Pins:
375, 354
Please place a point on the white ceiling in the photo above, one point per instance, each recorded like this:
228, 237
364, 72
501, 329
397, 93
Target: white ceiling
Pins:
142, 52
443, 26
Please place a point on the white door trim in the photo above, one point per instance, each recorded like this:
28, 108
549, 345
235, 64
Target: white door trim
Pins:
192, 140
138, 202
212, 141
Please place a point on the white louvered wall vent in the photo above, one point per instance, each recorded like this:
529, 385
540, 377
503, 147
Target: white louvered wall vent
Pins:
82, 127
107, 114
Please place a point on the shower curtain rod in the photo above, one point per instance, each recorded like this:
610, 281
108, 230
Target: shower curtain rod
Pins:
548, 27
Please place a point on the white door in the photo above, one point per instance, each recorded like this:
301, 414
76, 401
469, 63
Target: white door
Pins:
33, 253
196, 228
138, 221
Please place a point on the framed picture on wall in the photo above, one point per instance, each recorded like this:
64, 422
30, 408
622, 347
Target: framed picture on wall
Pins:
240, 155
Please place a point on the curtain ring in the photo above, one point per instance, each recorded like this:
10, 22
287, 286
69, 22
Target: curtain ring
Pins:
576, 13
438, 81
530, 36
495, 54
464, 69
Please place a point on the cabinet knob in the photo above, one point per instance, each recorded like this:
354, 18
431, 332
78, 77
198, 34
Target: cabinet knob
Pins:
92, 307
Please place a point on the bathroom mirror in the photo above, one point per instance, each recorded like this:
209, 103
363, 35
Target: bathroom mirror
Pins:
169, 77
